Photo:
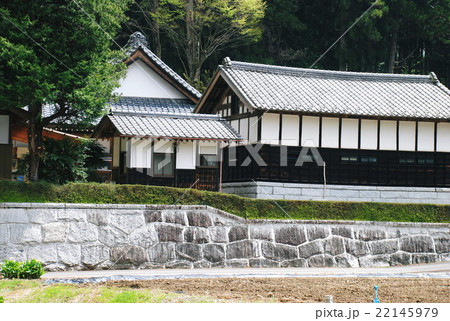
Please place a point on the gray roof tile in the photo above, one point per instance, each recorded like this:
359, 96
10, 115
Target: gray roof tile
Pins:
332, 92
144, 105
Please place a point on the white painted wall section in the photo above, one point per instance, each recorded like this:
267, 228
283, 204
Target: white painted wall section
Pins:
369, 134
207, 148
163, 146
330, 132
4, 129
142, 81
388, 135
186, 155
270, 128
243, 128
443, 137
407, 135
425, 137
310, 131
253, 130
349, 133
141, 153
290, 126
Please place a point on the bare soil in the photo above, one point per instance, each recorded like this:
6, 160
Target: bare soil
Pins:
313, 290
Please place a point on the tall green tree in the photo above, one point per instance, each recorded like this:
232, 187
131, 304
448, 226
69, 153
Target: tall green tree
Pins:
58, 53
199, 28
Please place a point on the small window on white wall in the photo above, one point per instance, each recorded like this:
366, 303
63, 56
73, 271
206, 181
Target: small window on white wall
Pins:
349, 133
425, 137
388, 134
330, 132
369, 134
4, 129
310, 131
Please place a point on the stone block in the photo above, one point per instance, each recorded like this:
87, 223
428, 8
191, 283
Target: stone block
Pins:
13, 215
261, 232
111, 236
175, 217
145, 236
54, 232
344, 231
97, 217
4, 234
356, 248
344, 193
334, 245
24, 233
218, 234
370, 234
54, 267
45, 253
442, 244
69, 254
400, 258
188, 252
417, 244
374, 260
179, 265
92, 255
262, 263
152, 216
13, 252
294, 263
162, 253
279, 252
383, 246
317, 232
312, 248
41, 216
72, 215
198, 235
82, 232
289, 234
244, 249
127, 223
239, 232
424, 258
321, 260
202, 265
199, 218
237, 263
214, 252
128, 255
346, 260
169, 232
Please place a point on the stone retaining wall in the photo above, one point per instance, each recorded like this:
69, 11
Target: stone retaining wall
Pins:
85, 236
355, 193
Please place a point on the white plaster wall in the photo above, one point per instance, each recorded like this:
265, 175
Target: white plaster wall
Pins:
235, 124
106, 144
330, 132
388, 135
443, 137
270, 128
369, 134
116, 152
349, 133
207, 148
163, 146
425, 139
290, 130
4, 129
243, 128
253, 129
141, 153
310, 131
407, 135
186, 155
142, 81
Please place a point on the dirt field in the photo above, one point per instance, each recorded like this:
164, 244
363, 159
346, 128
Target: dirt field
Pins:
344, 290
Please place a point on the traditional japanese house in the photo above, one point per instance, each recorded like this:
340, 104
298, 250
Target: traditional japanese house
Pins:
376, 137
153, 136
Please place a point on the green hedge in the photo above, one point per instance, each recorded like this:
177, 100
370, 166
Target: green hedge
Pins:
245, 207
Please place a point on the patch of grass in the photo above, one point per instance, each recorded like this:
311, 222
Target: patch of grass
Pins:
245, 207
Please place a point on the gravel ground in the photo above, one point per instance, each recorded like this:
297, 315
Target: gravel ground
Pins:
299, 289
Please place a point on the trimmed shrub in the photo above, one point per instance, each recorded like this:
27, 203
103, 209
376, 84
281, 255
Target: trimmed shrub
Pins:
22, 270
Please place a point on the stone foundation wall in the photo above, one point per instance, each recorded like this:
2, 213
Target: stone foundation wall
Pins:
85, 236
355, 193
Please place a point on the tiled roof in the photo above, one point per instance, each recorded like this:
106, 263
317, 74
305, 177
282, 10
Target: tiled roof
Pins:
138, 41
332, 92
144, 105
207, 127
